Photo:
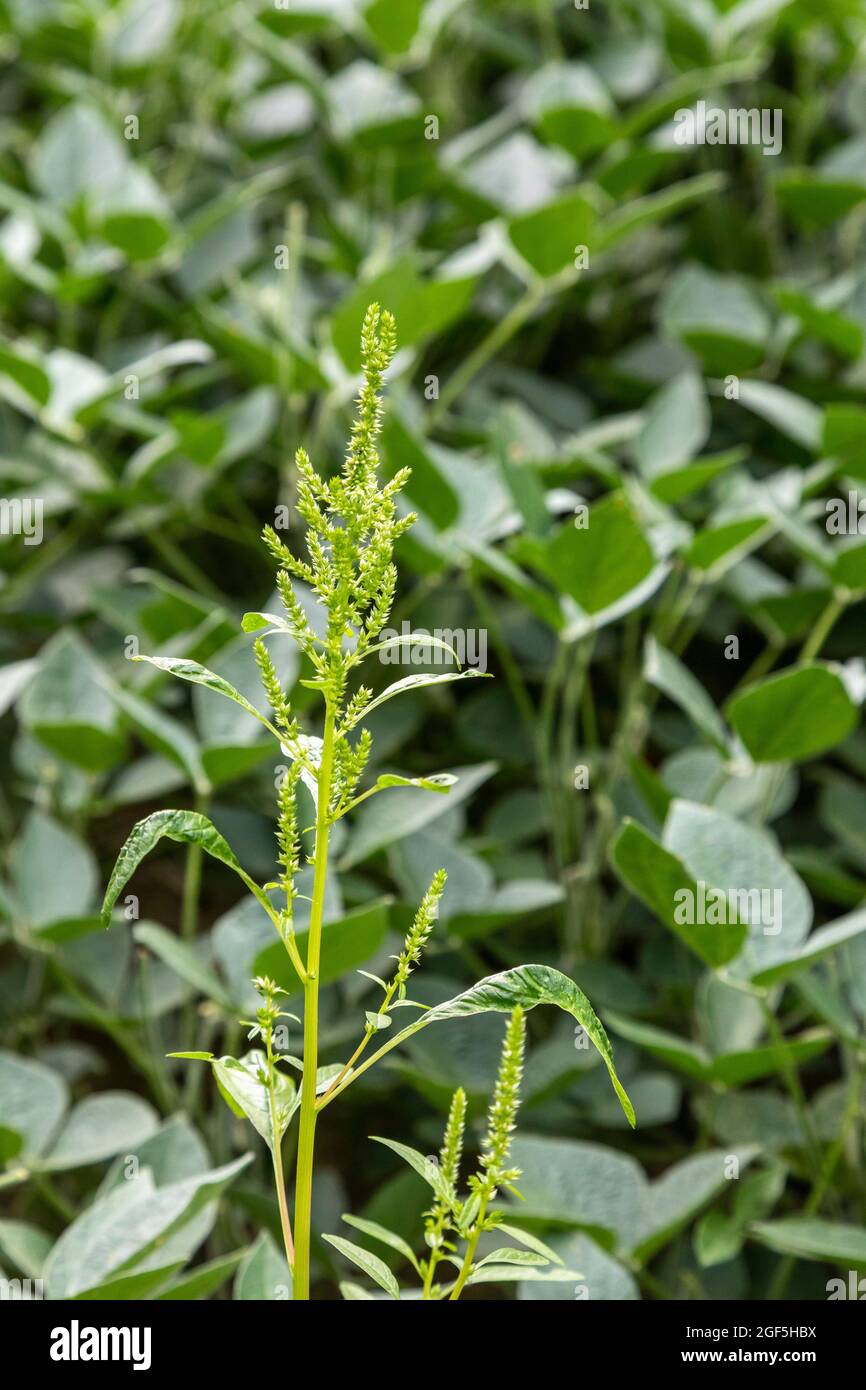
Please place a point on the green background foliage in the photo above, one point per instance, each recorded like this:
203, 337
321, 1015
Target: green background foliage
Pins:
630, 382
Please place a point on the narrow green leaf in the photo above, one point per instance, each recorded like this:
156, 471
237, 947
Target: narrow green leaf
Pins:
370, 1264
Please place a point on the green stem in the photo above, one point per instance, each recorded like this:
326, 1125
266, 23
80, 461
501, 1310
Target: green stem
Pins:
307, 1126
821, 631
277, 1155
466, 1267
501, 333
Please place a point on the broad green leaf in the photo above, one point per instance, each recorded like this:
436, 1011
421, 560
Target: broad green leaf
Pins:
549, 238
820, 943
67, 706
370, 1264
672, 1200
263, 1274
740, 872
163, 733
676, 427
25, 1246
119, 1231
205, 1279
658, 878
580, 1185
99, 1127
347, 943
512, 1273
184, 960
718, 317
598, 563
33, 1099
795, 715
668, 674
383, 820
809, 1238
792, 415
65, 892
187, 827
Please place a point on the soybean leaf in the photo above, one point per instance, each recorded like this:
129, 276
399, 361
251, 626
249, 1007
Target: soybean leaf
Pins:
180, 957
794, 715
668, 674
809, 1238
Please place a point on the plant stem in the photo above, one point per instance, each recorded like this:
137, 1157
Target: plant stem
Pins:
821, 631
277, 1155
307, 1126
472, 1246
501, 333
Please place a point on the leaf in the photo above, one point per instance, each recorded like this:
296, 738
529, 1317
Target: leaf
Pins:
383, 821
510, 1273
67, 707
529, 1240
99, 1127
507, 1256
597, 564
205, 1279
672, 1200
370, 1264
657, 877
382, 1234
68, 890
792, 415
346, 944
33, 1099
745, 865
668, 674
187, 827
411, 683
793, 716
548, 238
675, 428
184, 960
200, 675
127, 1226
809, 1238
527, 986
580, 1185
239, 1080
25, 1246
264, 1274
425, 1167
819, 944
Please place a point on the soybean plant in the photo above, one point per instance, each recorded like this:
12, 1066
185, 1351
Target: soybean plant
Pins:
352, 524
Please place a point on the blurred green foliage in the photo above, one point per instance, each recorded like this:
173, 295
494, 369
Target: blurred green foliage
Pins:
630, 387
